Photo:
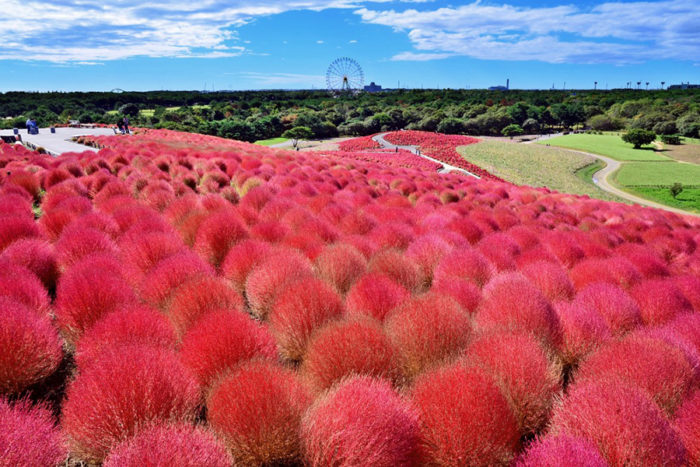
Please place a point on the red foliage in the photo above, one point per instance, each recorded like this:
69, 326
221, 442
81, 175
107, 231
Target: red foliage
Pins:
583, 330
526, 377
467, 294
165, 277
30, 349
29, 435
690, 287
659, 301
340, 265
257, 411
143, 251
374, 295
179, 445
74, 244
427, 330
361, 421
36, 255
465, 420
554, 451
551, 279
220, 341
615, 270
687, 425
618, 309
501, 250
397, 267
466, 264
134, 325
626, 427
123, 392
18, 283
217, 234
271, 275
16, 228
342, 348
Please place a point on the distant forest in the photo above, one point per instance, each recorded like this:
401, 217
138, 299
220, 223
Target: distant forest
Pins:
255, 115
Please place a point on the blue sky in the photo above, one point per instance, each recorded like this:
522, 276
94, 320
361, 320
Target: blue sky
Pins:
272, 44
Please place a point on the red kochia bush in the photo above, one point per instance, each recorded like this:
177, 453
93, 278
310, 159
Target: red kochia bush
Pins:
87, 291
465, 420
555, 451
467, 293
198, 296
426, 330
133, 325
30, 349
426, 252
300, 308
520, 366
374, 295
257, 411
217, 234
269, 277
28, 435
362, 421
659, 301
179, 445
75, 244
614, 270
144, 250
687, 424
627, 427
123, 392
222, 340
583, 330
653, 365
466, 264
551, 279
18, 283
36, 255
397, 267
241, 259
15, 228
512, 303
617, 308
340, 265
690, 288
342, 348
165, 277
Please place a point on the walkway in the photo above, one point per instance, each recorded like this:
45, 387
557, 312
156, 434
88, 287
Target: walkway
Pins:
59, 142
446, 168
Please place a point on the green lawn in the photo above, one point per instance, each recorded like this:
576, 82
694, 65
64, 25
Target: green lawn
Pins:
586, 173
658, 173
688, 199
533, 165
606, 145
271, 141
147, 112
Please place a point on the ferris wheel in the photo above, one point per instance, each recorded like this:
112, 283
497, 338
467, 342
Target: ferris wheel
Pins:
344, 75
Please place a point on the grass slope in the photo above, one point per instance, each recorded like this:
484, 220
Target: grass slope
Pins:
271, 141
606, 145
658, 173
529, 164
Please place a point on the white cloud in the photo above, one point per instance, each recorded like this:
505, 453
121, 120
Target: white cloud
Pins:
608, 33
319, 42
282, 80
352, 42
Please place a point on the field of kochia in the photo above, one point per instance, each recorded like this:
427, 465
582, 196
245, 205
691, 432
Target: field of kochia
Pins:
184, 300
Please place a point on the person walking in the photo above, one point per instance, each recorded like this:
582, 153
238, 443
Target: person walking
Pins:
120, 126
126, 125
29, 126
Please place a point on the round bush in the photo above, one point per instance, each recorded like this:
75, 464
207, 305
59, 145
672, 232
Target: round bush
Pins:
615, 270
427, 330
16, 228
20, 284
123, 392
618, 309
397, 267
299, 309
426, 252
241, 259
467, 294
374, 295
75, 244
354, 346
163, 280
28, 435
554, 451
687, 424
179, 445
659, 301
36, 255
466, 264
144, 250
220, 341
361, 421
465, 420
340, 265
626, 426
551, 279
217, 234
583, 330
257, 411
690, 288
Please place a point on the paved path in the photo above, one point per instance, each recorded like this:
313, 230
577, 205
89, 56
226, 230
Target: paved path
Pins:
446, 168
59, 142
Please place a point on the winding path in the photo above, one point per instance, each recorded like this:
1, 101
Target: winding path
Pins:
446, 168
59, 142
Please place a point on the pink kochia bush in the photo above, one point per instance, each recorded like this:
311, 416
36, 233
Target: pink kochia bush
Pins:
659, 301
162, 281
36, 255
687, 424
123, 392
625, 425
619, 310
361, 421
374, 295
257, 411
177, 445
29, 435
340, 265
555, 451
217, 234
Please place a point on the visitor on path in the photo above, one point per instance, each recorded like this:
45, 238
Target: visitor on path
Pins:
29, 126
126, 125
120, 126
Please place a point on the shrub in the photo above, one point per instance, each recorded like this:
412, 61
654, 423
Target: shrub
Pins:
75, 244
374, 295
427, 330
690, 288
583, 330
220, 341
257, 411
671, 139
511, 303
500, 249
162, 281
18, 283
36, 255
16, 228
340, 265
626, 427
551, 279
179, 445
354, 346
659, 301
132, 325
467, 294
687, 424
28, 435
426, 252
553, 451
300, 308
270, 276
619, 310
217, 234
361, 421
638, 136
466, 264
465, 420
123, 392
615, 270
143, 251
655, 366
30, 349
199, 296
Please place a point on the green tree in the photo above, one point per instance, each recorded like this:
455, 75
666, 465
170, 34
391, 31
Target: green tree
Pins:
676, 189
297, 133
512, 130
132, 110
638, 137
451, 126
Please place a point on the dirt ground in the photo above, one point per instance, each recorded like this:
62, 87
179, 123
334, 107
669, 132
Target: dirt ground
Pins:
684, 152
322, 145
